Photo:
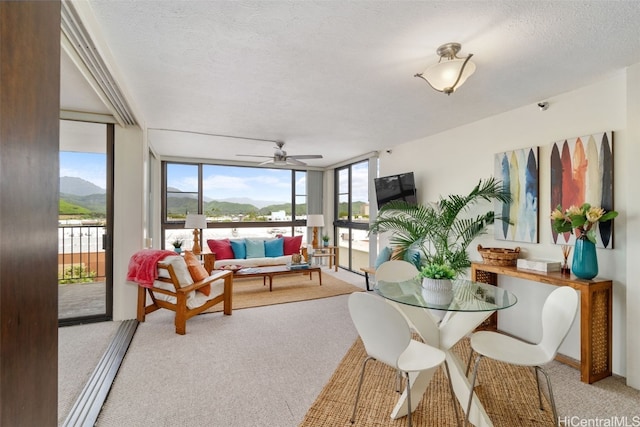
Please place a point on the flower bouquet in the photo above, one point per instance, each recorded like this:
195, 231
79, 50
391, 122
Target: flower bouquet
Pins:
581, 219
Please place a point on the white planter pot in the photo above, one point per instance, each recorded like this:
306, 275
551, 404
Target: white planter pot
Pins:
439, 298
437, 284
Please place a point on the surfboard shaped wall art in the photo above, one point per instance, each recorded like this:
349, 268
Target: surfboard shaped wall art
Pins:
582, 171
518, 171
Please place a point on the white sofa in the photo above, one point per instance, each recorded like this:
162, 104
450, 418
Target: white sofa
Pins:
270, 257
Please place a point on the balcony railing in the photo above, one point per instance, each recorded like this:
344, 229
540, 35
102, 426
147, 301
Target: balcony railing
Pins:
80, 253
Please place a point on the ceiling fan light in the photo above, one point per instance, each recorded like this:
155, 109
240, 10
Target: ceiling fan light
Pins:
450, 72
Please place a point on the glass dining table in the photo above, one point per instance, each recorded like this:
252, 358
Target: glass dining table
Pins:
442, 318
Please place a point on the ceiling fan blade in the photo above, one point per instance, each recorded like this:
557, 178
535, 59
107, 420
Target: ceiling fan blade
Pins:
293, 161
306, 156
267, 162
253, 155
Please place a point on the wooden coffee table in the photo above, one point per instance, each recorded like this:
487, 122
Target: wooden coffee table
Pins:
276, 270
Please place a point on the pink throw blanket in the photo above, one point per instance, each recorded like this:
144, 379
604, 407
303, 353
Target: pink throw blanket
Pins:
143, 266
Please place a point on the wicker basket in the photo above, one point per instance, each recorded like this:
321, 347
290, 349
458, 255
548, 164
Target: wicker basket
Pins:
499, 256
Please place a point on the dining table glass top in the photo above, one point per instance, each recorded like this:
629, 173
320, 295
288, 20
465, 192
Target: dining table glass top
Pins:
464, 295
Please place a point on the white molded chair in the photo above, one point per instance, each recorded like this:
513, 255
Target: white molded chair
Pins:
558, 312
396, 270
387, 338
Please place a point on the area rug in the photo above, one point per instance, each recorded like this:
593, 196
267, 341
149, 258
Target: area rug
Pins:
251, 292
508, 394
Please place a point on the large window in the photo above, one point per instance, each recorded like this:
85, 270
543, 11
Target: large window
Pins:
238, 201
352, 215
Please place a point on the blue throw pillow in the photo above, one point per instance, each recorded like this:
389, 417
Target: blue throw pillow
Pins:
255, 248
383, 256
274, 248
413, 256
239, 249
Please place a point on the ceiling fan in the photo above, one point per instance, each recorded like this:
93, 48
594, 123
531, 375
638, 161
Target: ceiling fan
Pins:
280, 157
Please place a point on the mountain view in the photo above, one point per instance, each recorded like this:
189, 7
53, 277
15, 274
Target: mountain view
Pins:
81, 198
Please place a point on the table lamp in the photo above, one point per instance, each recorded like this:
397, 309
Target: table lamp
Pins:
196, 222
315, 221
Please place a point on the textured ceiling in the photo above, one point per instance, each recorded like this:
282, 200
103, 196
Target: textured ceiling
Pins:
336, 78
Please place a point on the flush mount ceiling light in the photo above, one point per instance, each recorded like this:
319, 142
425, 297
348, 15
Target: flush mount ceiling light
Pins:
450, 72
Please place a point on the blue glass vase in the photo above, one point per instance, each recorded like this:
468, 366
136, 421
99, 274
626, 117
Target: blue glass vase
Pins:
585, 262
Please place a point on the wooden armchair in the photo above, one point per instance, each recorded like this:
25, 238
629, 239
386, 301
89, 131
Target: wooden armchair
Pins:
175, 290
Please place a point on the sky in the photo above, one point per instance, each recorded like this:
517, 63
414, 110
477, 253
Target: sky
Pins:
220, 182
88, 166
224, 182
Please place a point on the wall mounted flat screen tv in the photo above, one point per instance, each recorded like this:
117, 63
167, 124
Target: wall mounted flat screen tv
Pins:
396, 187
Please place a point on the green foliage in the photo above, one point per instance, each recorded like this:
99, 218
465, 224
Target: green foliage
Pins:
437, 271
67, 208
439, 230
83, 205
325, 237
75, 274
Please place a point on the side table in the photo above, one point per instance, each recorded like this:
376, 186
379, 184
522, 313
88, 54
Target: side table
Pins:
330, 252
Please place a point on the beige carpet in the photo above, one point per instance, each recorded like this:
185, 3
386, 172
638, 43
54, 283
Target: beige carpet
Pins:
508, 394
251, 292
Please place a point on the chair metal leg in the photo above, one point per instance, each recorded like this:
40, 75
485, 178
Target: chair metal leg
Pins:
473, 383
453, 395
466, 374
553, 402
535, 373
355, 405
409, 414
398, 380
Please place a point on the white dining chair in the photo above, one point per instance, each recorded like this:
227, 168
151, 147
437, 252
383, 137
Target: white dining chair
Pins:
558, 312
396, 270
387, 338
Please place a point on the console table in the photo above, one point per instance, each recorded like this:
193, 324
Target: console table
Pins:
596, 297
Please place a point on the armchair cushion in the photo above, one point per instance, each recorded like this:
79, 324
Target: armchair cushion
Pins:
179, 268
197, 271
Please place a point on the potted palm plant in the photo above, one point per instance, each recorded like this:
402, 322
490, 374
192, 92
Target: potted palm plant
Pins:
439, 231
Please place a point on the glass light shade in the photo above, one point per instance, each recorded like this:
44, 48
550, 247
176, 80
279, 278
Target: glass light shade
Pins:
315, 220
442, 76
195, 221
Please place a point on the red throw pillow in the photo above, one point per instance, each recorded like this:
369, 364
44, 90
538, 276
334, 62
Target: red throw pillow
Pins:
292, 245
222, 248
197, 271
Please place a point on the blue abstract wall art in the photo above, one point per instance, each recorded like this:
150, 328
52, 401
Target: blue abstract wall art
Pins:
518, 171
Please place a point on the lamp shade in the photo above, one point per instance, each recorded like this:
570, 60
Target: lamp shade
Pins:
195, 221
451, 71
315, 220
443, 76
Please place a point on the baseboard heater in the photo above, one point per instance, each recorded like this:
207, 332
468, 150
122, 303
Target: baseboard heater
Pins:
87, 407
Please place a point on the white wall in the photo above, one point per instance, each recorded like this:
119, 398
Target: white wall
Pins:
129, 216
454, 161
633, 225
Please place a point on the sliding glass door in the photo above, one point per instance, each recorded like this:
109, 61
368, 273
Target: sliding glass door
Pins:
352, 215
84, 222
